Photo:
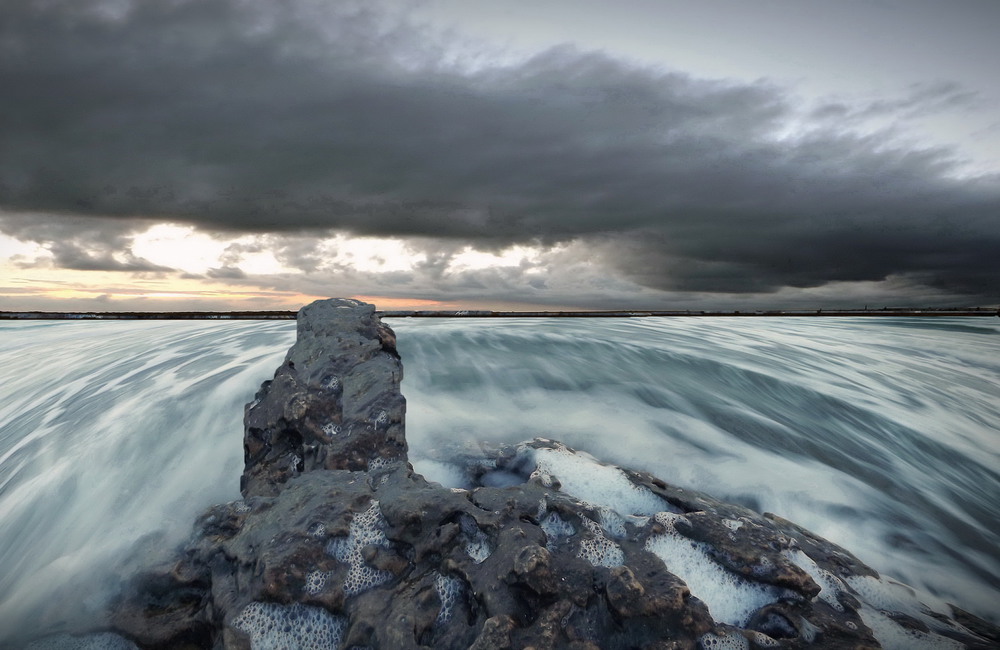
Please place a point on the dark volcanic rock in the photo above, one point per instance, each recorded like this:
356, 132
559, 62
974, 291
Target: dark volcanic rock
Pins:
337, 543
333, 404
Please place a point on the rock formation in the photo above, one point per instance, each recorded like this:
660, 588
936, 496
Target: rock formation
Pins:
337, 543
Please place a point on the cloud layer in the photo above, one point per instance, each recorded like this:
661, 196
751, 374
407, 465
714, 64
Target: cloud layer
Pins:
313, 117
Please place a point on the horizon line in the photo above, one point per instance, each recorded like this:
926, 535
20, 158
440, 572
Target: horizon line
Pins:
476, 313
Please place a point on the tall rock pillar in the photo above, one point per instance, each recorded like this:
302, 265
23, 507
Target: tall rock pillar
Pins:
334, 403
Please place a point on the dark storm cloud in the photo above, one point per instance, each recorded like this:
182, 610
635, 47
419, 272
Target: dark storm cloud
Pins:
295, 116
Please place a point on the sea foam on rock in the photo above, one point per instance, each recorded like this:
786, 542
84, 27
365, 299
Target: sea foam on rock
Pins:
339, 543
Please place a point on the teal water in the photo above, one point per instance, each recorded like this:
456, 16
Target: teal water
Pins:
879, 434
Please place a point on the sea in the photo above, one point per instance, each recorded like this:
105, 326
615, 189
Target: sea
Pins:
879, 434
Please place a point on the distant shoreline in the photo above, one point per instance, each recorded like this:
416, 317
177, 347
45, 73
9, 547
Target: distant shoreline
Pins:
290, 315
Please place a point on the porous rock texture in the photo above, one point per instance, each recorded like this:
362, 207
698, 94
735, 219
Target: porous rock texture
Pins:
333, 404
338, 543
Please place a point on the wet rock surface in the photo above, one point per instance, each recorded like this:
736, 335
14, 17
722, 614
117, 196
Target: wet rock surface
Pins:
333, 404
337, 543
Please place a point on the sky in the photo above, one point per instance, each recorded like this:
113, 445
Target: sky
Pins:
463, 154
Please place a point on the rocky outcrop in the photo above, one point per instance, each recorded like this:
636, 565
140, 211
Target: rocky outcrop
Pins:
337, 543
333, 404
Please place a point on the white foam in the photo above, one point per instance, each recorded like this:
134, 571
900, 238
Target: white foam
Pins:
879, 596
893, 636
378, 463
316, 582
830, 585
598, 549
764, 640
477, 544
732, 641
479, 549
278, 627
365, 530
888, 594
556, 529
729, 598
449, 590
612, 522
581, 476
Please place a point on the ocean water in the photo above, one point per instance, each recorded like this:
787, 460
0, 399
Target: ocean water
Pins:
880, 434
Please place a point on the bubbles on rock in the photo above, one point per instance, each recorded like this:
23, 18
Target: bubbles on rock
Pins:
477, 544
316, 582
365, 530
449, 590
764, 641
274, 627
580, 475
733, 641
730, 598
612, 522
598, 549
331, 429
378, 463
556, 529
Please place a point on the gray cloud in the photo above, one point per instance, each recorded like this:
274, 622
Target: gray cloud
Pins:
72, 256
922, 99
299, 116
226, 273
81, 243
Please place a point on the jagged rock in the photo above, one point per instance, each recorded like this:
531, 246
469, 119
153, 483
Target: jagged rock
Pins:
338, 543
333, 404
